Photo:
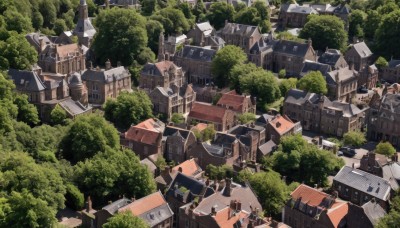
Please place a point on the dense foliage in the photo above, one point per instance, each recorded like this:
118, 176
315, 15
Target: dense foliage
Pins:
313, 82
385, 148
354, 138
125, 220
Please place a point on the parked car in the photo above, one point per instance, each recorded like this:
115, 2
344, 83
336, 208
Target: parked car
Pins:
362, 89
347, 151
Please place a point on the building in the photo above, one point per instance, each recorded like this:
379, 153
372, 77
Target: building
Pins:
294, 15
281, 126
84, 29
382, 123
145, 138
368, 77
342, 84
221, 118
367, 215
101, 216
333, 58
153, 209
265, 149
47, 92
176, 142
250, 138
309, 66
196, 62
359, 55
308, 207
391, 73
163, 74
106, 83
360, 187
243, 36
240, 104
317, 113
200, 33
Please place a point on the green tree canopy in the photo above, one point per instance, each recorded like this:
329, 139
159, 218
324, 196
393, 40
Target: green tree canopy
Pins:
385, 148
313, 82
381, 62
17, 22
224, 61
356, 23
219, 172
387, 34
125, 220
287, 84
87, 136
26, 112
258, 15
247, 117
238, 71
154, 28
373, 19
128, 109
220, 12
173, 20
177, 118
325, 31
354, 138
16, 52
121, 35
261, 84
58, 115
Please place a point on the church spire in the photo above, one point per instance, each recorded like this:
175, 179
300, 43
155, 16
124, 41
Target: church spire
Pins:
83, 10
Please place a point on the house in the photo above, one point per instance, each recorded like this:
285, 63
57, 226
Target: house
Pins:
368, 77
317, 113
196, 63
106, 83
359, 55
360, 187
101, 216
333, 58
152, 209
342, 84
281, 126
391, 73
294, 15
150, 165
367, 215
176, 143
47, 92
224, 149
309, 66
221, 118
243, 36
382, 122
309, 207
266, 149
145, 138
84, 29
163, 74
168, 101
200, 33
240, 104
209, 94
250, 138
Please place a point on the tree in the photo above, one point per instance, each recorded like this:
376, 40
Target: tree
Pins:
252, 16
37, 20
386, 149
74, 198
128, 109
354, 138
285, 35
238, 71
387, 8
356, 23
16, 22
282, 73
220, 12
261, 84
313, 82
16, 52
26, 112
125, 220
208, 133
60, 26
223, 63
381, 62
325, 31
48, 11
391, 219
286, 85
219, 172
387, 33
87, 136
373, 19
123, 28
199, 10
58, 115
154, 28
177, 118
113, 173
173, 20
247, 118
271, 191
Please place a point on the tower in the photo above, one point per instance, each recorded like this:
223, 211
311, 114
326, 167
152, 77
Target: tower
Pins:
161, 47
84, 29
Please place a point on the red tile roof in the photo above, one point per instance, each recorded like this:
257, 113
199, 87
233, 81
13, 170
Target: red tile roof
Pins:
310, 196
224, 220
337, 212
189, 167
144, 204
145, 132
164, 66
200, 127
232, 99
64, 50
207, 112
282, 124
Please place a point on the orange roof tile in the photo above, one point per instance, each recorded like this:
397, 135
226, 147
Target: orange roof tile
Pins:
201, 126
206, 112
164, 66
231, 99
64, 50
144, 204
223, 220
310, 196
337, 212
189, 167
144, 132
281, 124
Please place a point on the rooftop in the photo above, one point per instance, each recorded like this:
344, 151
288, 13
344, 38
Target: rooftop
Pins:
282, 124
188, 167
207, 112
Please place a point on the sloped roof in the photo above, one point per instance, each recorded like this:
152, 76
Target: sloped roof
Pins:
73, 107
239, 29
291, 47
364, 182
63, 50
197, 53
314, 66
343, 74
147, 132
204, 26
189, 167
374, 211
329, 58
159, 68
267, 147
113, 207
295, 8
232, 100
103, 75
394, 63
337, 212
281, 124
310, 196
362, 49
207, 112
149, 164
225, 218
347, 108
26, 80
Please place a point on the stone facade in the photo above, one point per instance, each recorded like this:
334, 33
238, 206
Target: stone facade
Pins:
240, 104
163, 74
391, 73
317, 113
84, 29
222, 119
177, 142
358, 55
368, 77
250, 137
243, 36
333, 58
342, 84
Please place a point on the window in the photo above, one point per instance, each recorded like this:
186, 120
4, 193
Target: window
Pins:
95, 87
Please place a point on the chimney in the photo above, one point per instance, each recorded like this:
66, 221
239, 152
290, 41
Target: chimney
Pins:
214, 210
118, 63
238, 206
315, 186
228, 187
133, 199
320, 140
352, 165
180, 169
351, 66
90, 65
371, 159
89, 204
108, 64
278, 125
226, 22
309, 42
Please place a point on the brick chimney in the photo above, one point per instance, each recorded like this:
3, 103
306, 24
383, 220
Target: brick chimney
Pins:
228, 187
108, 64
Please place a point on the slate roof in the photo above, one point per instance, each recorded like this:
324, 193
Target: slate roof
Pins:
197, 53
171, 130
159, 68
116, 205
291, 47
267, 147
344, 74
295, 8
106, 76
204, 26
239, 29
296, 96
149, 164
329, 58
207, 112
84, 26
362, 49
73, 107
391, 102
347, 108
373, 211
364, 182
26, 80
264, 119
314, 66
394, 63
391, 172
153, 209
342, 9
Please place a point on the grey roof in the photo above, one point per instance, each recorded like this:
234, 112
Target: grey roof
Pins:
391, 102
26, 80
329, 58
113, 207
373, 211
172, 131
73, 107
341, 9
264, 44
364, 182
157, 215
213, 149
394, 63
295, 8
291, 47
205, 26
75, 79
149, 164
223, 139
391, 172
105, 75
314, 66
84, 27
239, 29
347, 108
362, 49
296, 96
267, 147
243, 129
197, 53
343, 74
264, 119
